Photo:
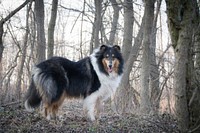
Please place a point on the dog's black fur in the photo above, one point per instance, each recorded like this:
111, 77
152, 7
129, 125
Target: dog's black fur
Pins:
58, 77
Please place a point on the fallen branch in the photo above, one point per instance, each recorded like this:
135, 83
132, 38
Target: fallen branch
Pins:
12, 103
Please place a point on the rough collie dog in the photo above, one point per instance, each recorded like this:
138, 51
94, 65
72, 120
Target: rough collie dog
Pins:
95, 78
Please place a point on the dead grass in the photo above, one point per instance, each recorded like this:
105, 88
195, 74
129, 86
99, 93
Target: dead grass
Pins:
14, 119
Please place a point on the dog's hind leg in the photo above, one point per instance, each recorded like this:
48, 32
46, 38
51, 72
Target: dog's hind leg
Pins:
50, 112
56, 105
54, 111
47, 111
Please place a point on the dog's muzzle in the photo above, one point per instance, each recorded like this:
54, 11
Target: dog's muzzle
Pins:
110, 66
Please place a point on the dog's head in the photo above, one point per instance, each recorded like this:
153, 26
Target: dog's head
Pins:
111, 59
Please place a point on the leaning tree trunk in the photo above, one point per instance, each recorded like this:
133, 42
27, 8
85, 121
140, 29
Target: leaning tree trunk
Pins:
2, 21
181, 15
122, 98
41, 44
125, 94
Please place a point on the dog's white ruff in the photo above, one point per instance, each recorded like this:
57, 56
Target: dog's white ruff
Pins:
109, 84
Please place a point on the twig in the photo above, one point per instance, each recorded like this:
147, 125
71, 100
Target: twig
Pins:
195, 129
12, 103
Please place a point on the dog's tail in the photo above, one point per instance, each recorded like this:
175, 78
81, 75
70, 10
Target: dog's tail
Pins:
47, 85
32, 98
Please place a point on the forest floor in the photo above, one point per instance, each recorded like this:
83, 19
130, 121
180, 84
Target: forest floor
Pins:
15, 119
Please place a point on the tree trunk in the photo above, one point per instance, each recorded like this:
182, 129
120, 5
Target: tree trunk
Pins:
194, 93
3, 20
128, 28
23, 56
1, 51
181, 108
154, 68
116, 9
97, 22
39, 17
125, 94
92, 40
145, 105
51, 28
124, 87
181, 15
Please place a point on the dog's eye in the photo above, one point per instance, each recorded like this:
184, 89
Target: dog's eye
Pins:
113, 56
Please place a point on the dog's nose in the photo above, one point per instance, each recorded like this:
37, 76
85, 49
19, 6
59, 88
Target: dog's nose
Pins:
110, 66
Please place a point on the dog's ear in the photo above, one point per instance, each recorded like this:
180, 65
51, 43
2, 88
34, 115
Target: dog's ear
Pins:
117, 48
103, 47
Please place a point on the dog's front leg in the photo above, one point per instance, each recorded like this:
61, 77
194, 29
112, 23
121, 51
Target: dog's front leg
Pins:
113, 103
99, 107
89, 106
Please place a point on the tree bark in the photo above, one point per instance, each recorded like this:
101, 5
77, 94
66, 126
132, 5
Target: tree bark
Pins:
92, 40
41, 43
181, 17
128, 29
154, 68
125, 94
194, 93
3, 20
116, 9
97, 22
51, 28
145, 104
23, 56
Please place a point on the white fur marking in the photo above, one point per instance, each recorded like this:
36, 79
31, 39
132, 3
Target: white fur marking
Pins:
109, 83
28, 107
107, 89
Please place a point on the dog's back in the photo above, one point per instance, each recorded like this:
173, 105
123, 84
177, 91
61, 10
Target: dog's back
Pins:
57, 78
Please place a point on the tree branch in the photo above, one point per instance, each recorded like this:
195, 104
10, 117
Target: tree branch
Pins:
14, 12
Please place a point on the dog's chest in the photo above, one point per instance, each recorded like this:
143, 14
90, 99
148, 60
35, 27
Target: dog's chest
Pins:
108, 86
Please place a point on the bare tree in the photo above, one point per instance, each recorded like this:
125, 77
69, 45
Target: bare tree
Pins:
114, 23
94, 42
51, 28
154, 68
128, 28
41, 43
97, 22
124, 90
126, 94
145, 104
194, 93
2, 22
23, 52
181, 18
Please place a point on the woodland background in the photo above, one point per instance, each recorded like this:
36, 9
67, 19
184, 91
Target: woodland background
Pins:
160, 43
